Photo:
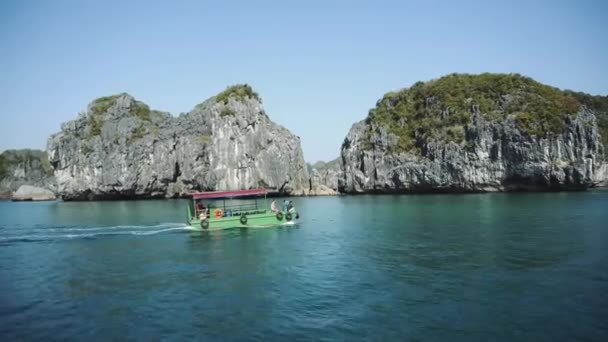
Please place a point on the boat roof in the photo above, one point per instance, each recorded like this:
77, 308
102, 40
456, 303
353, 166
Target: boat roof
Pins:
228, 194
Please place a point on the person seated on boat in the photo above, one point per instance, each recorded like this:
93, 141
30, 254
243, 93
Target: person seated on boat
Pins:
273, 206
204, 211
290, 207
285, 203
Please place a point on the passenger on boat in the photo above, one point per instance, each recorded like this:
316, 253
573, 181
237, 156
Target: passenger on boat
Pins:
203, 210
273, 206
290, 206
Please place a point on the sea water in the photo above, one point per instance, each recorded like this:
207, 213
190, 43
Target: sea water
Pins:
426, 267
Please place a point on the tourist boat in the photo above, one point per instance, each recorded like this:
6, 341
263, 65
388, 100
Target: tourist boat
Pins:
237, 209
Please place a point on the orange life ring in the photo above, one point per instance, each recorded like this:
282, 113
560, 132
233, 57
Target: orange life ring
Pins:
217, 213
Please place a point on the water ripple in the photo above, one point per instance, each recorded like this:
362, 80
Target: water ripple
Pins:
493, 267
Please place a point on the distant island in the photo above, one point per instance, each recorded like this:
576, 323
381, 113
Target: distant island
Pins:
458, 133
25, 168
478, 133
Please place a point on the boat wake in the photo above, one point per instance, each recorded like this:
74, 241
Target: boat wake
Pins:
9, 235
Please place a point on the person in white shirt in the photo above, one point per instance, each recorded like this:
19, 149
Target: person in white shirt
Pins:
273, 206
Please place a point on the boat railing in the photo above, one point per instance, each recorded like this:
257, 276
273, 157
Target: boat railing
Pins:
233, 210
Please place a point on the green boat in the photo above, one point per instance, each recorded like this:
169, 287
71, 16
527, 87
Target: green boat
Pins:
218, 210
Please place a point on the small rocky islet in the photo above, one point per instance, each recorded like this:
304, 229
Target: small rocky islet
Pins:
458, 133
25, 167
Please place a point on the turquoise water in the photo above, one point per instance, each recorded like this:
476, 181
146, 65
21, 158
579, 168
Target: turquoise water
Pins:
431, 267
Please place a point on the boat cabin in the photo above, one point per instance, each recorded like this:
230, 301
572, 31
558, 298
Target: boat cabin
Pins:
218, 204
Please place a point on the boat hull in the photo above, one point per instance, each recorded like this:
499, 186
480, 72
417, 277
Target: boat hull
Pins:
266, 219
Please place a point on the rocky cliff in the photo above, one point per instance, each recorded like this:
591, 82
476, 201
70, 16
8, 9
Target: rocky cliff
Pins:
469, 133
120, 148
599, 106
24, 167
324, 177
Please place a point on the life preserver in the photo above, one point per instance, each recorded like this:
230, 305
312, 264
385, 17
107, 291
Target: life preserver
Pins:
243, 219
205, 224
288, 216
217, 213
279, 216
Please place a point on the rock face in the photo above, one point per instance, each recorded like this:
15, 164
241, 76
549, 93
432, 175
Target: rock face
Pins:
20, 167
32, 193
324, 178
601, 176
494, 152
119, 148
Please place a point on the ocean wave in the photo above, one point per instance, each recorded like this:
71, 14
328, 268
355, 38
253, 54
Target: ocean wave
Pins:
69, 233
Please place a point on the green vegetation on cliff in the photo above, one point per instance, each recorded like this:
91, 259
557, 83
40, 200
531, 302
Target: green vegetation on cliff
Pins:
136, 134
11, 159
227, 111
239, 92
141, 110
4, 167
440, 109
95, 123
101, 105
321, 165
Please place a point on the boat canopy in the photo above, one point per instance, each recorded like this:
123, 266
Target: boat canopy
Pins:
228, 194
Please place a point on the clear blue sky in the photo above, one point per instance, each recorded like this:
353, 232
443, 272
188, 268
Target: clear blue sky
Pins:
318, 65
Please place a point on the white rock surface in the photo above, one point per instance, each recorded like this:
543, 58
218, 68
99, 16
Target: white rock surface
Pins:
33, 193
